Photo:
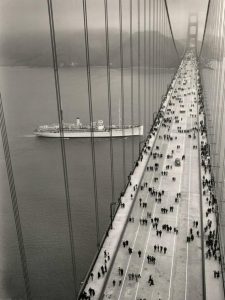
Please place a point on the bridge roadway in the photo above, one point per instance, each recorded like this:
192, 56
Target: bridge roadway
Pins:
177, 274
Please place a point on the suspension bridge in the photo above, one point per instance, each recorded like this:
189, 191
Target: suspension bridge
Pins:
165, 235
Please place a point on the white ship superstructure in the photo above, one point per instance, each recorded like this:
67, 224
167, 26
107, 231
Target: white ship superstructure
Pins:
78, 130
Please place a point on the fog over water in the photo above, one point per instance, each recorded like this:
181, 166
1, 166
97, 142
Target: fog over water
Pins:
30, 15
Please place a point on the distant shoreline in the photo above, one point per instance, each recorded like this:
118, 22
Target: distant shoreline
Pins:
80, 67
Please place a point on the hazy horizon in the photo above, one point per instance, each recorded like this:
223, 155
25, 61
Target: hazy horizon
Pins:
31, 16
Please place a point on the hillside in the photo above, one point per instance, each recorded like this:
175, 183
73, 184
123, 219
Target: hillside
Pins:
35, 51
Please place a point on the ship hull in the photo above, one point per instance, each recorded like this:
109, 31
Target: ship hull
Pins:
137, 130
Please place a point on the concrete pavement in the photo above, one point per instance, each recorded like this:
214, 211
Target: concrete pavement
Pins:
162, 213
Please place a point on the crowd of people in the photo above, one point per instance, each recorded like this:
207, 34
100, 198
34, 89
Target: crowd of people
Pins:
167, 117
211, 229
157, 193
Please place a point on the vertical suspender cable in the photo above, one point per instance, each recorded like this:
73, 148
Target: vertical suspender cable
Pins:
212, 94
219, 95
149, 64
210, 17
153, 60
219, 172
64, 161
14, 200
91, 119
221, 201
161, 49
122, 87
157, 54
211, 13
221, 123
214, 116
164, 47
219, 80
155, 57
109, 99
145, 131
139, 70
218, 69
131, 80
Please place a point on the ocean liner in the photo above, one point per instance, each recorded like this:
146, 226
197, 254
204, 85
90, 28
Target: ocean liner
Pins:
78, 130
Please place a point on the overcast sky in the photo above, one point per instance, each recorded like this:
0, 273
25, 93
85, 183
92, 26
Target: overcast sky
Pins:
22, 16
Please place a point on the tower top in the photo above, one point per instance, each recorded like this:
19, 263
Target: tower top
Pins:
192, 33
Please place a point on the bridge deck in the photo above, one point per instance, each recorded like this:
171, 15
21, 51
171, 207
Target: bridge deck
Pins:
177, 273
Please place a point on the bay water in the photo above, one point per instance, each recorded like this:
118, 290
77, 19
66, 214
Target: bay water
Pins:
29, 101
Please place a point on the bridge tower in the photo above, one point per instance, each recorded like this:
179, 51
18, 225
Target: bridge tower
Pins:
192, 34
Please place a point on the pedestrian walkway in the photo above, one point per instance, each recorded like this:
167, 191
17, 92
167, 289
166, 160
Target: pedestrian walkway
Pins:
156, 247
214, 283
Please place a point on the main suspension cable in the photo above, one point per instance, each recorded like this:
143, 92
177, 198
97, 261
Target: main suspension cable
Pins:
206, 22
171, 31
14, 200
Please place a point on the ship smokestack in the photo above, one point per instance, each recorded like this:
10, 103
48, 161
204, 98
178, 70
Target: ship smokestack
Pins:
78, 122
